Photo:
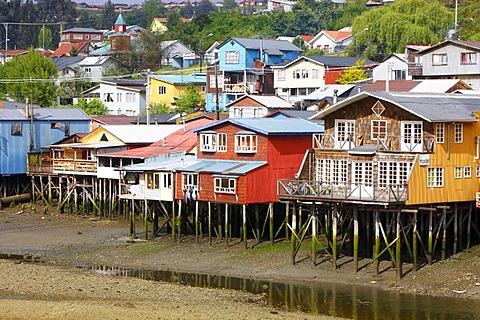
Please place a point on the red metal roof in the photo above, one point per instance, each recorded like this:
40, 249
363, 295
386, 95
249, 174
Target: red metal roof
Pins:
181, 140
66, 48
338, 35
393, 85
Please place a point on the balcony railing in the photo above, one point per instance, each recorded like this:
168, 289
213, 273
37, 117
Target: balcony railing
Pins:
311, 190
415, 69
75, 166
39, 163
237, 87
389, 143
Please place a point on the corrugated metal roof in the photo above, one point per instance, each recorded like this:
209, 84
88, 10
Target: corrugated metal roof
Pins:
432, 107
436, 85
63, 62
272, 126
52, 114
182, 79
168, 164
267, 101
90, 61
141, 133
328, 91
334, 61
265, 44
223, 167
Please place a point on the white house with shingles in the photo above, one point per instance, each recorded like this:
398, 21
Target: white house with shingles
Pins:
394, 67
93, 67
122, 96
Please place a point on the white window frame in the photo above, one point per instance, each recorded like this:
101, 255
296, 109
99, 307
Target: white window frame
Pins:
246, 143
232, 57
458, 133
470, 58
315, 74
440, 132
190, 180
224, 184
344, 133
467, 172
457, 172
376, 127
162, 90
281, 75
477, 173
439, 59
435, 177
222, 142
208, 142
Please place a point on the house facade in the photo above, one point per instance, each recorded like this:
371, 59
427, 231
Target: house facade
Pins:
331, 41
92, 68
394, 67
167, 88
123, 97
451, 59
255, 106
243, 68
75, 35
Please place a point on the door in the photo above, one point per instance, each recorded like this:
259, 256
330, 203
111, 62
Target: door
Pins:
344, 134
411, 139
362, 180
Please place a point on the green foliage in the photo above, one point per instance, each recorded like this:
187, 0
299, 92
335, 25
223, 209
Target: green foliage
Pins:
31, 76
350, 11
45, 38
92, 108
157, 108
189, 100
353, 74
108, 15
391, 27
314, 52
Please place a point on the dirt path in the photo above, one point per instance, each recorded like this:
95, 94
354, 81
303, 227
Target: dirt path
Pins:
50, 290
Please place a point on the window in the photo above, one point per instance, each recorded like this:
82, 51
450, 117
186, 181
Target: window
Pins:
344, 134
212, 81
87, 36
67, 37
458, 133
222, 142
225, 184
167, 180
297, 73
439, 59
16, 128
190, 181
130, 97
468, 58
379, 129
95, 37
304, 73
281, 74
119, 97
435, 177
440, 132
203, 89
232, 57
478, 172
162, 90
67, 129
208, 141
107, 97
399, 74
77, 37
315, 74
87, 70
245, 143
330, 171
467, 172
153, 181
393, 174
457, 172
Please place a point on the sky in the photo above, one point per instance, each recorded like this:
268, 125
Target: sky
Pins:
129, 2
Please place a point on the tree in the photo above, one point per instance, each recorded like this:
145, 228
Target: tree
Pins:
157, 108
353, 74
45, 38
34, 76
108, 15
391, 27
189, 100
92, 108
314, 52
150, 9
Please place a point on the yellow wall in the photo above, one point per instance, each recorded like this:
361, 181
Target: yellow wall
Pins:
97, 134
158, 26
172, 91
454, 189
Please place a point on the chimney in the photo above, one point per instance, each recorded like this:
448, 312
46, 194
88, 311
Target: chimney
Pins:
335, 96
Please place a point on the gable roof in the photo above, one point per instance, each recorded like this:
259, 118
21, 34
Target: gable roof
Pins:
264, 44
140, 133
337, 35
181, 79
439, 107
335, 61
114, 119
224, 167
66, 48
94, 61
266, 101
50, 114
427, 86
82, 30
473, 45
66, 62
271, 126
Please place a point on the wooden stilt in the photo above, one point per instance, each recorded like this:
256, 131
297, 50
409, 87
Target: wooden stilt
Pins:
173, 220
50, 197
210, 223
430, 238
270, 212
226, 223
334, 236
196, 221
314, 237
455, 229
293, 243
257, 224
398, 251
145, 217
444, 235
131, 215
376, 250
245, 225
179, 220
355, 239
414, 241
469, 224
287, 219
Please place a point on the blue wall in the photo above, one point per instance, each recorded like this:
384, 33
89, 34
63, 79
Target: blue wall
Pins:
14, 148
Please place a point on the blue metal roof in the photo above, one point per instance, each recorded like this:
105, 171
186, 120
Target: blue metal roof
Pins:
46, 114
182, 79
272, 126
223, 167
168, 164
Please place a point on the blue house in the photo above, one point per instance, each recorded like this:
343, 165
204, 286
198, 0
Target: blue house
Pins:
243, 67
20, 134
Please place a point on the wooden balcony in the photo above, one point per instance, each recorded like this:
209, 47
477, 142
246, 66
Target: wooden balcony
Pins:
415, 69
71, 166
389, 143
236, 88
293, 189
39, 164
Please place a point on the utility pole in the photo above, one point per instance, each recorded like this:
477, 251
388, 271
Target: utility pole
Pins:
147, 97
216, 87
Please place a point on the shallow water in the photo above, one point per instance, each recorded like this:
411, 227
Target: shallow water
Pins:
341, 300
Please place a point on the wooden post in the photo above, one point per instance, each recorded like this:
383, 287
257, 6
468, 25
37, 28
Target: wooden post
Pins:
196, 221
226, 223
210, 223
376, 251
444, 235
179, 220
430, 238
173, 219
414, 241
334, 236
355, 238
145, 216
469, 223
455, 229
272, 234
293, 243
50, 198
287, 236
314, 237
398, 253
257, 224
245, 225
